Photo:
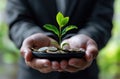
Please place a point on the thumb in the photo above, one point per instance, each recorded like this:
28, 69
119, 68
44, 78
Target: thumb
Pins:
27, 54
88, 56
91, 52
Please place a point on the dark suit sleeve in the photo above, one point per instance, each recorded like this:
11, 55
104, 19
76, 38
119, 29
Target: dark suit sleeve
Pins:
21, 21
100, 24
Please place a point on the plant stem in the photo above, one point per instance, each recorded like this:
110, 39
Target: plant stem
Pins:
60, 35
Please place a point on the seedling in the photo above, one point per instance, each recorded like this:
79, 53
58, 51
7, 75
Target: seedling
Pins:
62, 28
58, 54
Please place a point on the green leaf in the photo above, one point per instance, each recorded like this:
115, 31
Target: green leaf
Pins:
61, 20
64, 21
51, 28
68, 28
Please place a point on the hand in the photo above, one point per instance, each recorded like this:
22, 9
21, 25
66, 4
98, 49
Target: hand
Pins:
75, 64
37, 41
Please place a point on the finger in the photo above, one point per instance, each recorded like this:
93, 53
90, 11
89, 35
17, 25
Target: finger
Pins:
66, 67
44, 66
63, 64
91, 51
45, 70
40, 63
71, 69
78, 63
25, 48
26, 53
55, 65
81, 64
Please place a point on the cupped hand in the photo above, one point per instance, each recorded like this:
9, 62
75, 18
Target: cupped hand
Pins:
36, 41
75, 64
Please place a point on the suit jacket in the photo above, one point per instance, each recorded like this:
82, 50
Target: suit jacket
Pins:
93, 18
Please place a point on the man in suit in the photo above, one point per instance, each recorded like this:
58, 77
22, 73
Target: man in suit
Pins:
26, 19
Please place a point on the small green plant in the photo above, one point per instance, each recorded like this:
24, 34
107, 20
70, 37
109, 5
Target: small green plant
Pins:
63, 29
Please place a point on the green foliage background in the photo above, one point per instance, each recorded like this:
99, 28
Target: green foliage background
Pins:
108, 59
8, 51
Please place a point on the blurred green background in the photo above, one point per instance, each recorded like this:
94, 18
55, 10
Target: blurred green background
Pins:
108, 59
